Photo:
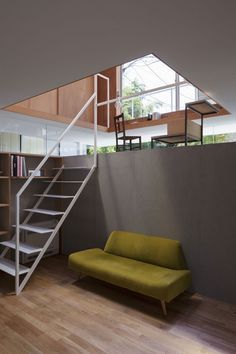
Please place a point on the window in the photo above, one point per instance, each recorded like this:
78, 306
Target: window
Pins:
9, 142
187, 93
169, 91
148, 73
32, 145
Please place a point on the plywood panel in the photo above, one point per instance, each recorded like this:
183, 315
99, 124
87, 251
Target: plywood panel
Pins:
72, 97
47, 102
177, 127
23, 104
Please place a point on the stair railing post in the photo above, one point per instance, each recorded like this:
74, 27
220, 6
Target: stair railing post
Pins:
17, 255
95, 118
108, 104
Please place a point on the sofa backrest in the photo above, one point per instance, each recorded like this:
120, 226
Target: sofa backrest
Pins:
149, 249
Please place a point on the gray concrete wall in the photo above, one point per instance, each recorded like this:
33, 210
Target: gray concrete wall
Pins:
188, 194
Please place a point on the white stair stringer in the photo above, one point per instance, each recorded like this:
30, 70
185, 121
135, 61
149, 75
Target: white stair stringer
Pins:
59, 224
15, 268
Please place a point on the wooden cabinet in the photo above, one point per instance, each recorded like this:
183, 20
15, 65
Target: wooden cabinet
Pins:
4, 194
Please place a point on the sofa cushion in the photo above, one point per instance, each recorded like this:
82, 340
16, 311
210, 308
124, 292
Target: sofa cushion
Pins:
158, 282
149, 249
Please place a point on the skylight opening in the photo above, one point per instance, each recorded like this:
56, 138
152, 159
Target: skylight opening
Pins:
169, 90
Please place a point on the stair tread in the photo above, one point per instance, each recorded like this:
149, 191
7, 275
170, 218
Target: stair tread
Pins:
45, 211
8, 266
38, 229
23, 247
54, 196
72, 168
64, 181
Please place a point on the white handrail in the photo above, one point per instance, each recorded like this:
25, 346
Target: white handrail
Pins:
55, 145
108, 97
23, 188
18, 286
95, 121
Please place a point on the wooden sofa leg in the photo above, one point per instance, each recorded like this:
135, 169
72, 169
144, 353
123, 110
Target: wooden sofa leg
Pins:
163, 305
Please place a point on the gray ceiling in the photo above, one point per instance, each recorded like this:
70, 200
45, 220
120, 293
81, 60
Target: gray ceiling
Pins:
48, 43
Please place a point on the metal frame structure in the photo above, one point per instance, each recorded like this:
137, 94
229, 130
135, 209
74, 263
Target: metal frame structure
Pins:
209, 109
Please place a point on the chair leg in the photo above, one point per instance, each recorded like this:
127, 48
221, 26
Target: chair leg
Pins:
140, 143
152, 145
130, 144
163, 305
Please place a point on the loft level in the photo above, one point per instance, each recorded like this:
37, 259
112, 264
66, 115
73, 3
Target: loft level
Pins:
142, 122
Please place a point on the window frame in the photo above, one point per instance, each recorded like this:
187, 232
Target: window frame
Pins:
176, 85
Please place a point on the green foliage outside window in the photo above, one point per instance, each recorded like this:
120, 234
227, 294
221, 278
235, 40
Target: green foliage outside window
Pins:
136, 107
101, 150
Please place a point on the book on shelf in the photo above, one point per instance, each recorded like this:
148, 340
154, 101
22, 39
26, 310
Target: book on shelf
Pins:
18, 166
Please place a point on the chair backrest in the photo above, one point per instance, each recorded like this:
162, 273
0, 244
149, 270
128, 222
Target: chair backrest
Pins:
160, 251
119, 123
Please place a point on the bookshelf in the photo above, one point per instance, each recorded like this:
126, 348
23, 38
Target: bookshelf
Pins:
10, 185
4, 194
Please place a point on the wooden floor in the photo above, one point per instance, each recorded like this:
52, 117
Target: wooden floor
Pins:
57, 314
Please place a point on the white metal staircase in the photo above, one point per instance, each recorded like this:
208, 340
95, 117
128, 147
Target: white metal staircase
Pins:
14, 268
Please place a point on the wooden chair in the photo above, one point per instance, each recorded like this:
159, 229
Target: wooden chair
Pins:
121, 135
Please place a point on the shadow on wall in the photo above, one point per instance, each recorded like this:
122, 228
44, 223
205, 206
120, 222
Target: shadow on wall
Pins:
78, 230
115, 193
187, 194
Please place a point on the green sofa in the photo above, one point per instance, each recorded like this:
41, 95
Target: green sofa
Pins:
149, 265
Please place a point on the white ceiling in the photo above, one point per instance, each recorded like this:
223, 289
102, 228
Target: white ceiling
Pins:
46, 44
